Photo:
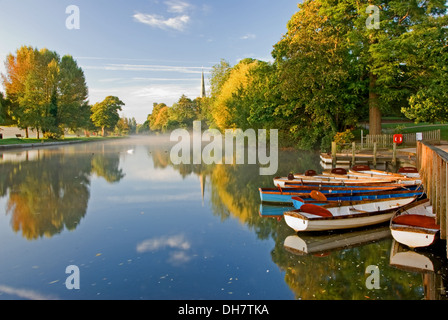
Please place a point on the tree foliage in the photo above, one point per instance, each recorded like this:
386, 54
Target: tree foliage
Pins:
105, 113
331, 70
46, 92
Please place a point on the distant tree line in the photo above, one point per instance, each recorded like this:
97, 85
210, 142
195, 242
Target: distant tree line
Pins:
49, 94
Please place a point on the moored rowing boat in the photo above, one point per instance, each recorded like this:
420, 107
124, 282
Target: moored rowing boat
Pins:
284, 196
333, 217
415, 226
318, 198
339, 176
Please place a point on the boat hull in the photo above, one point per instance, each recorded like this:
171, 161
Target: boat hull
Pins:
343, 200
300, 224
277, 196
346, 217
414, 238
285, 183
422, 232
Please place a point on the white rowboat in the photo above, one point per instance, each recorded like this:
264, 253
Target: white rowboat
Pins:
415, 226
333, 217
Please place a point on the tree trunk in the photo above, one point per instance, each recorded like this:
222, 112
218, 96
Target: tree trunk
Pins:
102, 131
374, 109
26, 132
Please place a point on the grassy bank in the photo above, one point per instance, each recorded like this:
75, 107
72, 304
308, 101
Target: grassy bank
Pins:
421, 127
11, 141
405, 126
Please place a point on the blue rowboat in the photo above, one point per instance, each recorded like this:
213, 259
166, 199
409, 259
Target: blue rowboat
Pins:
273, 211
344, 200
284, 196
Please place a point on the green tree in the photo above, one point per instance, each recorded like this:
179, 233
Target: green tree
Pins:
3, 108
392, 55
219, 75
73, 94
105, 114
333, 68
184, 112
428, 44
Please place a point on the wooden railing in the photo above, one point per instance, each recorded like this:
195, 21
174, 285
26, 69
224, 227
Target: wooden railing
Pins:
386, 140
432, 164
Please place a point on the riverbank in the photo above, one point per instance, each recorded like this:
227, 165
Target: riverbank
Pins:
22, 143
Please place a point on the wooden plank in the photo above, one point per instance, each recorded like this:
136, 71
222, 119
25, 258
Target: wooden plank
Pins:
443, 199
432, 163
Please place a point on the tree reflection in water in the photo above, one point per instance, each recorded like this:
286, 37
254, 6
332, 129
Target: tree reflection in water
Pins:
49, 192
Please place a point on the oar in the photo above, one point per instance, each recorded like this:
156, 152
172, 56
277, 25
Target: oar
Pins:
317, 195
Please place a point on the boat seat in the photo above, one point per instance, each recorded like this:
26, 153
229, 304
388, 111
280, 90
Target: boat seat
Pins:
361, 167
339, 171
310, 173
316, 210
416, 220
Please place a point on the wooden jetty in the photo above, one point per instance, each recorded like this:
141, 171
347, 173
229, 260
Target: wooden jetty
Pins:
432, 163
379, 150
374, 157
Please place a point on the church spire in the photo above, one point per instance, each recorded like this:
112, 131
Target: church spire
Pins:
202, 85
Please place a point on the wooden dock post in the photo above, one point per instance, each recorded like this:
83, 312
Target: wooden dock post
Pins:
394, 155
432, 164
353, 153
333, 153
374, 154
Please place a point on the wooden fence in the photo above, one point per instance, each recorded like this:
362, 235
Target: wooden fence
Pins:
432, 164
409, 139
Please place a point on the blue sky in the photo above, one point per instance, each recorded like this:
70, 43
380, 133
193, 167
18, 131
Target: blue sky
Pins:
146, 51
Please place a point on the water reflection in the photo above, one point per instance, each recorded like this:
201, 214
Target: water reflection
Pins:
326, 266
48, 191
431, 263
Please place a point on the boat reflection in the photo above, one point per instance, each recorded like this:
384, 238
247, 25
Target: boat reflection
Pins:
431, 263
326, 243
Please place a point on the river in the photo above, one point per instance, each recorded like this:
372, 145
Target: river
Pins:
118, 220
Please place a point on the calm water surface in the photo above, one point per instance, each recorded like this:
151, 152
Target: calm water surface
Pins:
139, 227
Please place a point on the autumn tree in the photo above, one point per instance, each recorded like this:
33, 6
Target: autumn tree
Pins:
105, 113
226, 109
47, 93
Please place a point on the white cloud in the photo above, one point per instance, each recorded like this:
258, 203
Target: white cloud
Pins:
145, 67
177, 6
248, 36
177, 23
154, 244
25, 293
178, 245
